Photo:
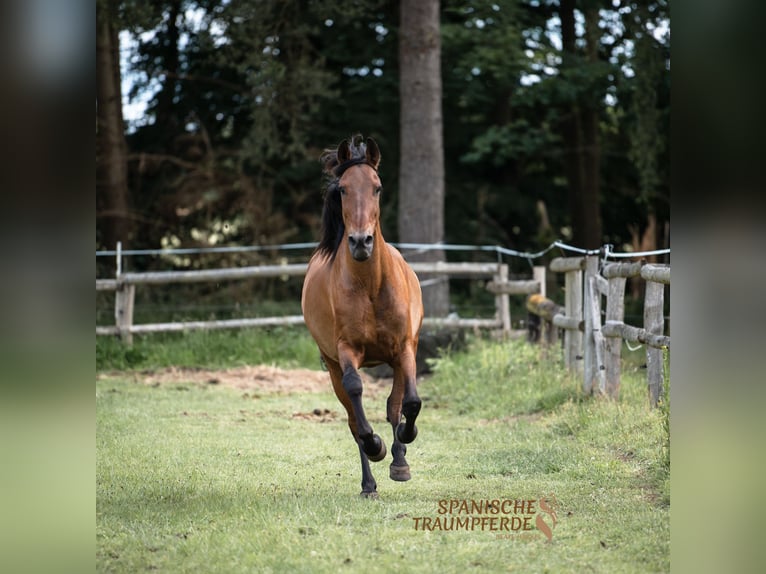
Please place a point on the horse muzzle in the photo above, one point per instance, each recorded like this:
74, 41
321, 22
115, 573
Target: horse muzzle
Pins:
360, 245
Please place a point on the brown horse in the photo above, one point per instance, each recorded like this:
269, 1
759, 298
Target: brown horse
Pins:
362, 304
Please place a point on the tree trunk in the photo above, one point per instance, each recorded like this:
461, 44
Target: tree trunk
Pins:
166, 120
580, 132
421, 169
111, 149
646, 241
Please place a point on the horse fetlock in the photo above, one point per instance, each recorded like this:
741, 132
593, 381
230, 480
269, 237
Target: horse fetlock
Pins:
369, 486
406, 432
399, 450
375, 448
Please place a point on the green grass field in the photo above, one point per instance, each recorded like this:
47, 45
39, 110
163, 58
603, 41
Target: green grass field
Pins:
200, 478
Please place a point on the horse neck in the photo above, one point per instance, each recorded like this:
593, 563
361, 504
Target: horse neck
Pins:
371, 273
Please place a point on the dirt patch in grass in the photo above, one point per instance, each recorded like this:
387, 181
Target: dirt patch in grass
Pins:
252, 379
317, 415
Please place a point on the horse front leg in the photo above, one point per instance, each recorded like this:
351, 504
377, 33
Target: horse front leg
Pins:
369, 486
403, 400
370, 443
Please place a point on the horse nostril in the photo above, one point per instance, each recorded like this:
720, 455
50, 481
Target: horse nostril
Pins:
357, 240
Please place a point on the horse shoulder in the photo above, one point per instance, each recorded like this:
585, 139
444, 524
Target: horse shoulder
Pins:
313, 283
317, 305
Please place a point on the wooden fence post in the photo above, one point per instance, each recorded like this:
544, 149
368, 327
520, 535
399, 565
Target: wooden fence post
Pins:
573, 306
589, 348
597, 375
548, 333
615, 311
572, 269
654, 324
503, 301
124, 299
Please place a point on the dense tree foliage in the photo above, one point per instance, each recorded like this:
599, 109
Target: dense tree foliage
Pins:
556, 118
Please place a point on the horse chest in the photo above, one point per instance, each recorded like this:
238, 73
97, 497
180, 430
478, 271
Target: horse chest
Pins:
378, 322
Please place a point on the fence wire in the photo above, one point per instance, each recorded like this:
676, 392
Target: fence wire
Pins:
607, 251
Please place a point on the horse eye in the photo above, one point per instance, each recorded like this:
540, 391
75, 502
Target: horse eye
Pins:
378, 190
342, 190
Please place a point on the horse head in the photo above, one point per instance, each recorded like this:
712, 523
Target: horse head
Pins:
359, 187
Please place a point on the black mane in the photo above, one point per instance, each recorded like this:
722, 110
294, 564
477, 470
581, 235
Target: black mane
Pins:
332, 220
332, 215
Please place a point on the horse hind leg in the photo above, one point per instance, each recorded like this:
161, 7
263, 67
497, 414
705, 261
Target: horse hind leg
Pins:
406, 432
403, 400
399, 469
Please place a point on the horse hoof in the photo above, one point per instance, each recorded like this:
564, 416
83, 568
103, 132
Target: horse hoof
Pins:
381, 453
370, 495
400, 473
401, 436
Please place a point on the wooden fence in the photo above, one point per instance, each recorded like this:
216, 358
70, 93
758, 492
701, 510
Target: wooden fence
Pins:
124, 286
592, 348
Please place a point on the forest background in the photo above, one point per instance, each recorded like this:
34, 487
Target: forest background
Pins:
556, 120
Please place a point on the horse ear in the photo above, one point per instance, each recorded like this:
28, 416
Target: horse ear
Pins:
344, 153
373, 153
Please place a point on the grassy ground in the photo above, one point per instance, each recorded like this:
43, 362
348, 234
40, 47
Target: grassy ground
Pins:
194, 478
280, 346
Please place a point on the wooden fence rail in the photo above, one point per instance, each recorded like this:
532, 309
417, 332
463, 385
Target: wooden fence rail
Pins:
125, 285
